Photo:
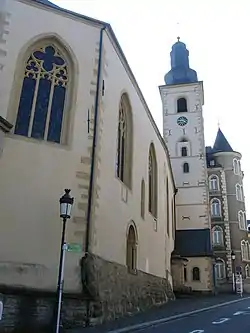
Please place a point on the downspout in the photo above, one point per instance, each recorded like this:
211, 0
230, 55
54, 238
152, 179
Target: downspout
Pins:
91, 181
85, 267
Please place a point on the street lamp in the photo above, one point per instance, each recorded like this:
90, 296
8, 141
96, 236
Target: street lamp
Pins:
66, 203
233, 267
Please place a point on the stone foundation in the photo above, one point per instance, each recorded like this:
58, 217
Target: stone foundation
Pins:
32, 311
120, 293
112, 292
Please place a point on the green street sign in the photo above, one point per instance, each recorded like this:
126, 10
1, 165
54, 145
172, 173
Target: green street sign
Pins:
74, 247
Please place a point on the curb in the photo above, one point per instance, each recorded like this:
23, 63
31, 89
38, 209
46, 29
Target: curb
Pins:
167, 319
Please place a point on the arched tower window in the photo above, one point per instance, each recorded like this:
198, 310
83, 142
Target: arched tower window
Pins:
239, 192
152, 181
217, 235
196, 274
214, 183
242, 220
124, 144
184, 151
244, 250
143, 198
46, 80
186, 167
131, 257
182, 105
215, 208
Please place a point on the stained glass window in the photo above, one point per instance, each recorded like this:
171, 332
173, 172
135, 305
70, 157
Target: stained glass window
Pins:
42, 101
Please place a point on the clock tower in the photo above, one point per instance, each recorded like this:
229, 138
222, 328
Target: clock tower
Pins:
183, 131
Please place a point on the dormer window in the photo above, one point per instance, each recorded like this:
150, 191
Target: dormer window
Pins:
212, 163
182, 105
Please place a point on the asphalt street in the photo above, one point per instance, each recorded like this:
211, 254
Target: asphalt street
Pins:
226, 319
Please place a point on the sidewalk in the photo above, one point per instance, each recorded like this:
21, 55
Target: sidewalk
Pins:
170, 309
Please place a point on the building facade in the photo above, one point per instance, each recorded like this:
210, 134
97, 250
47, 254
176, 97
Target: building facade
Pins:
76, 114
228, 212
183, 130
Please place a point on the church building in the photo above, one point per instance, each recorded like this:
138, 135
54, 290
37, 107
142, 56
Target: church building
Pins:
152, 214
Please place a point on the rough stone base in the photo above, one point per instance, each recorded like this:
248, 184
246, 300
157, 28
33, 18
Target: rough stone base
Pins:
32, 311
120, 292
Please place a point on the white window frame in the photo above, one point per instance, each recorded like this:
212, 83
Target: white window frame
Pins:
242, 220
214, 183
245, 250
217, 235
215, 210
247, 271
239, 192
220, 269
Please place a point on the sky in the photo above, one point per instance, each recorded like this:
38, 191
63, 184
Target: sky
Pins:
215, 33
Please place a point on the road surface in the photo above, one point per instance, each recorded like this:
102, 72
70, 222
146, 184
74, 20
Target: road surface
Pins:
232, 318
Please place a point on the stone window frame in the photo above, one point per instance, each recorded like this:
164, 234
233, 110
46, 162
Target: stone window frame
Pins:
131, 248
124, 152
239, 192
217, 233
215, 212
72, 65
245, 250
214, 180
242, 220
247, 271
143, 199
181, 108
152, 181
222, 269
236, 166
196, 274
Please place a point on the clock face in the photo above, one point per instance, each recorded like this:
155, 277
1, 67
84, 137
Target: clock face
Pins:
182, 121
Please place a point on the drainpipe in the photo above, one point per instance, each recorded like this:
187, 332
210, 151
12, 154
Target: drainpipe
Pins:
91, 182
84, 260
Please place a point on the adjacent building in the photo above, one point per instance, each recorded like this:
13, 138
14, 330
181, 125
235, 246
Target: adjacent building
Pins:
228, 212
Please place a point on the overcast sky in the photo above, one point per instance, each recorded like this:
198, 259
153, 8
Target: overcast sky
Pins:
216, 34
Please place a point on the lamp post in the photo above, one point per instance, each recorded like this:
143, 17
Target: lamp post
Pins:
66, 203
233, 267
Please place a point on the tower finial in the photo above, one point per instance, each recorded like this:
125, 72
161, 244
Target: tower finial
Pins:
218, 124
178, 31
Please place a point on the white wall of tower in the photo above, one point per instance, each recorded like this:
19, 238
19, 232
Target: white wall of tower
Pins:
192, 198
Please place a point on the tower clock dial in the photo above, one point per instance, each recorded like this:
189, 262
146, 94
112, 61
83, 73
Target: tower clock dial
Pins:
182, 121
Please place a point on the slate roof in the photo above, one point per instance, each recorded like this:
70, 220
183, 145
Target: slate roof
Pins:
48, 3
221, 144
193, 243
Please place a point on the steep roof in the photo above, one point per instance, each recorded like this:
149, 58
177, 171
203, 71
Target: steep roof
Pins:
46, 2
221, 143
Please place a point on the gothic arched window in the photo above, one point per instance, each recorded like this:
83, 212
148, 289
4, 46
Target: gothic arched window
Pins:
131, 257
42, 101
124, 144
215, 207
182, 105
217, 235
152, 181
214, 183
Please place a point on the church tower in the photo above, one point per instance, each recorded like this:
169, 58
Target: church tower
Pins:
183, 131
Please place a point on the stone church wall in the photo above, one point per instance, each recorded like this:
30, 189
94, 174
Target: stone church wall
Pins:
114, 293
